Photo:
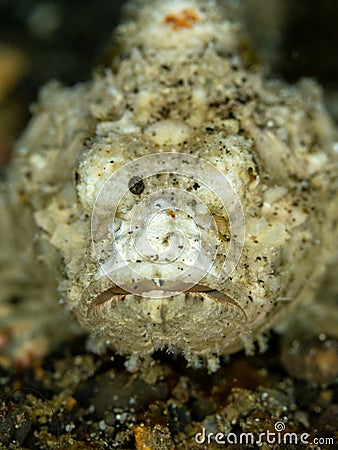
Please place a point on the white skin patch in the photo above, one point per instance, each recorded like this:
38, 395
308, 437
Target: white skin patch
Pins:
167, 241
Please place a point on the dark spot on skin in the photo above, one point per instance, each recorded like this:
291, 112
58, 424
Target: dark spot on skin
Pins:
136, 185
251, 174
15, 299
171, 214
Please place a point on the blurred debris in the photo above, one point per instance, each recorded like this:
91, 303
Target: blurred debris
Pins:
13, 65
80, 401
13, 68
152, 439
314, 359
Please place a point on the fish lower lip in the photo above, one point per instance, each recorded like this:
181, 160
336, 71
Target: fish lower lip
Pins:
110, 309
116, 293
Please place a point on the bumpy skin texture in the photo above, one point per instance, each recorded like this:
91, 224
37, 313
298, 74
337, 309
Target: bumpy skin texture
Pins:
185, 82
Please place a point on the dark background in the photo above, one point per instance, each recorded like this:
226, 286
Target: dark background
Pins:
65, 40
